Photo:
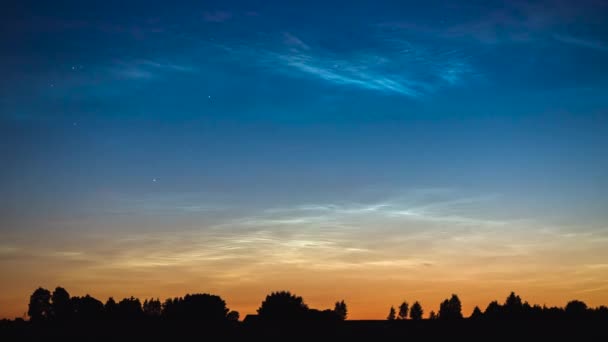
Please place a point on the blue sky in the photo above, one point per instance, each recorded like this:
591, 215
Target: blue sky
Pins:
282, 120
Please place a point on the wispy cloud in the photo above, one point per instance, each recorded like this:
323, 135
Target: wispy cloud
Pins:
582, 42
515, 22
145, 69
217, 16
394, 67
292, 40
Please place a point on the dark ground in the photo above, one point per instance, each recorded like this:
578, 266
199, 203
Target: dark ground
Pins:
462, 330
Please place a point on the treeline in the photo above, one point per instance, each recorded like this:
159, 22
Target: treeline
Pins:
513, 308
57, 306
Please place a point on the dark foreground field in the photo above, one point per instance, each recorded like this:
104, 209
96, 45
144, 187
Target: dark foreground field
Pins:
465, 330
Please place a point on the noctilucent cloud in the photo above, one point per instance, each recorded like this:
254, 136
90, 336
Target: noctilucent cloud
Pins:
367, 151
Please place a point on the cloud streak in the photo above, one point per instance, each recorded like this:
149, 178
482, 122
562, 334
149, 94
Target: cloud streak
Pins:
396, 66
146, 69
582, 42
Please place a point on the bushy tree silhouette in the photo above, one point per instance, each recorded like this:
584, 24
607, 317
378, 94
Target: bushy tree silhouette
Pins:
341, 310
576, 309
391, 314
416, 311
130, 308
432, 315
198, 306
233, 316
204, 306
451, 309
283, 305
40, 305
87, 308
61, 304
404, 310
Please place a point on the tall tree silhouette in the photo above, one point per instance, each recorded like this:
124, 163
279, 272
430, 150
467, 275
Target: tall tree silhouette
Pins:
341, 310
391, 314
404, 310
111, 308
283, 305
432, 315
451, 309
416, 311
130, 308
513, 307
152, 307
39, 308
61, 304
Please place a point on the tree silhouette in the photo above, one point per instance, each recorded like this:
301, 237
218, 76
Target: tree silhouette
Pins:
152, 307
203, 307
111, 308
233, 316
391, 314
416, 311
171, 308
130, 308
513, 306
404, 309
283, 305
61, 304
576, 309
476, 314
40, 305
432, 315
493, 310
87, 308
341, 310
451, 309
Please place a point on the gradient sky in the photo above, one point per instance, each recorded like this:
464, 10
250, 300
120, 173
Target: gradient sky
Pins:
371, 152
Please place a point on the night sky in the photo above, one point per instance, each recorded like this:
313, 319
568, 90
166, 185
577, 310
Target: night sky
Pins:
371, 152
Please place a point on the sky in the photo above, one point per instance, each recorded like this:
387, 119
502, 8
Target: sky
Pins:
368, 151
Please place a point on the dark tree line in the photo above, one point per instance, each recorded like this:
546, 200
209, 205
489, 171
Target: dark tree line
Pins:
512, 309
282, 305
59, 306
